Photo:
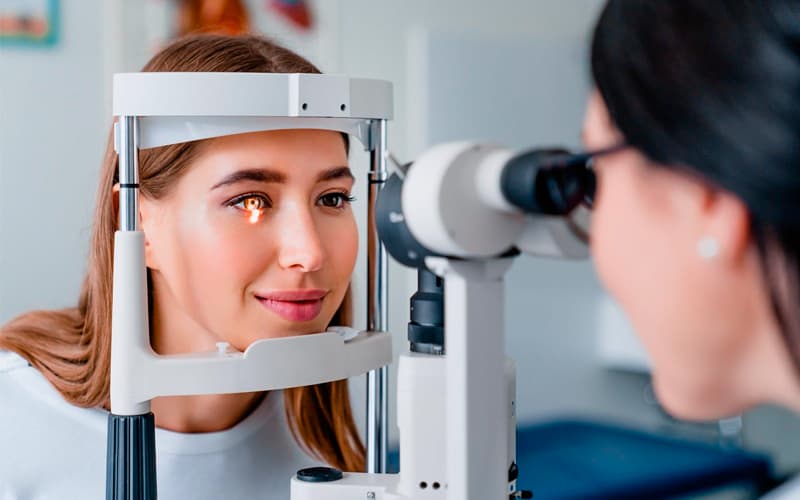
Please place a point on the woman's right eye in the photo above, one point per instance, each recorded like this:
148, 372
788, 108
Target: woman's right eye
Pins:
250, 202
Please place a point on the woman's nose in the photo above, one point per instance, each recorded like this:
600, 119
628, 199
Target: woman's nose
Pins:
300, 245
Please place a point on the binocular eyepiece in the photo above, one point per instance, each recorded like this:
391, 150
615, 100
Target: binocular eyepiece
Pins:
543, 182
549, 181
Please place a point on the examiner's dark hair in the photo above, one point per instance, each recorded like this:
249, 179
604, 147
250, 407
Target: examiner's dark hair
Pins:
714, 86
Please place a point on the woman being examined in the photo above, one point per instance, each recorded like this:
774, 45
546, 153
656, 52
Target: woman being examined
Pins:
247, 237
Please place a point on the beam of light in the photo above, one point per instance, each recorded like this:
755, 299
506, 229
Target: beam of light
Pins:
255, 215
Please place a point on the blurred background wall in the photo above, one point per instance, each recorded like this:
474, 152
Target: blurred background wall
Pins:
514, 72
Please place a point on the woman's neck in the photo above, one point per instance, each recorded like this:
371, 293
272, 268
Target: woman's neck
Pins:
206, 413
174, 332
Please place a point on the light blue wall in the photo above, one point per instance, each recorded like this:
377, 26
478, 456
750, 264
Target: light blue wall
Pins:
52, 134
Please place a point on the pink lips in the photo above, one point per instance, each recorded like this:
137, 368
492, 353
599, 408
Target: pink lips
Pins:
294, 305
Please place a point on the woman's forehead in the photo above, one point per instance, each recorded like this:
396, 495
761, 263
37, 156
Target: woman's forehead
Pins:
291, 142
289, 153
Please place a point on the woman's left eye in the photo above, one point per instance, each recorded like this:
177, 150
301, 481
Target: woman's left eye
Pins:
335, 200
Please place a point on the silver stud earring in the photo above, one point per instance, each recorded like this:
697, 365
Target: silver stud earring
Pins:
708, 247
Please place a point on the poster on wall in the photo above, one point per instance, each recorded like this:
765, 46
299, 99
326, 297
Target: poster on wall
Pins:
29, 22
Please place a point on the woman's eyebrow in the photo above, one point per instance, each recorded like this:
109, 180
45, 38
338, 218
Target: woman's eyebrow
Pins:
251, 174
335, 173
271, 176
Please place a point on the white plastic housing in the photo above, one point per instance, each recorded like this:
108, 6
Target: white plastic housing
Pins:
421, 420
353, 486
551, 236
453, 204
476, 402
181, 107
178, 107
423, 423
444, 208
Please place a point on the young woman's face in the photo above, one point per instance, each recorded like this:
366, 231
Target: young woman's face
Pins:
694, 315
256, 240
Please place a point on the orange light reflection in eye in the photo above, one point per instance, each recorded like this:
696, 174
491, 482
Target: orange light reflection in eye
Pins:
255, 215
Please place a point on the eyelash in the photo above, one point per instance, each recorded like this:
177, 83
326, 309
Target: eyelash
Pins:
342, 197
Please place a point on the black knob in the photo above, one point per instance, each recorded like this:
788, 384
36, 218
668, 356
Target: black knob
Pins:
319, 474
426, 328
513, 472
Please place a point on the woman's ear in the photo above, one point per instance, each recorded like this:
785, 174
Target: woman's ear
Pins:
144, 208
115, 190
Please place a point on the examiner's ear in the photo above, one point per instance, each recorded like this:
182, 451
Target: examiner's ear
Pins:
599, 130
716, 220
727, 222
144, 208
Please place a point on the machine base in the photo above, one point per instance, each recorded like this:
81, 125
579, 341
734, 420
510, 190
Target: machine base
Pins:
131, 457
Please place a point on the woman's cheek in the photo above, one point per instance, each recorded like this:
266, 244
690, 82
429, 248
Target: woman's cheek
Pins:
232, 245
338, 234
349, 244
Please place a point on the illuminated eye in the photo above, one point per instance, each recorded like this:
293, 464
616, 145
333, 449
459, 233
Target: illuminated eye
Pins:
252, 203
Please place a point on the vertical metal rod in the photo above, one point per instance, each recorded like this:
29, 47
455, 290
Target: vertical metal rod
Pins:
127, 137
130, 443
377, 307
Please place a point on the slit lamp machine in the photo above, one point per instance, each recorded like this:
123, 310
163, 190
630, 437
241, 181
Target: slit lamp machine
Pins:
459, 215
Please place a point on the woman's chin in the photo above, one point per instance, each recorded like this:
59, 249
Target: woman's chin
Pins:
278, 331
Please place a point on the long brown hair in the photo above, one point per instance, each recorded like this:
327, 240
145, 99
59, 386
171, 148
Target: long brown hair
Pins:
71, 347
